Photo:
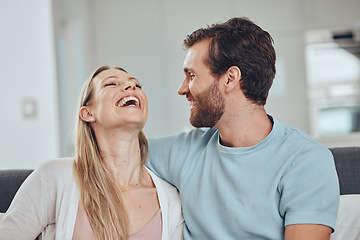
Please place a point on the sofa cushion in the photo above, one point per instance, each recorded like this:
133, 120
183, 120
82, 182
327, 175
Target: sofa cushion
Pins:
1, 215
348, 220
347, 162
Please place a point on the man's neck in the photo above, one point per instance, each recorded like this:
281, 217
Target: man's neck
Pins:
245, 129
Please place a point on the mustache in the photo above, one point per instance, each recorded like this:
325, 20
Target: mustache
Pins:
189, 95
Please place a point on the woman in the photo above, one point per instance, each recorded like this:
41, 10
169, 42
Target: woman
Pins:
106, 192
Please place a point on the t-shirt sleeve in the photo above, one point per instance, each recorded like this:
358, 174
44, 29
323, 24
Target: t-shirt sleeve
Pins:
310, 189
171, 157
162, 154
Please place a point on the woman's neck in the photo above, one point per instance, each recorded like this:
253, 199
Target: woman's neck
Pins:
122, 157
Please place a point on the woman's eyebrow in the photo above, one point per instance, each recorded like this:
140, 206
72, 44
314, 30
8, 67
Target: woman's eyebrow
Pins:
135, 79
132, 78
108, 78
116, 77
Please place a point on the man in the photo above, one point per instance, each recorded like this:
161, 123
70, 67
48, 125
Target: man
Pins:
241, 173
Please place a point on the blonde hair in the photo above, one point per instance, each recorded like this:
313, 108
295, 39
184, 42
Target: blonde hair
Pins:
98, 192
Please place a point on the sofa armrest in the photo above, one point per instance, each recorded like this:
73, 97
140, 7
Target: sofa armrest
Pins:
10, 181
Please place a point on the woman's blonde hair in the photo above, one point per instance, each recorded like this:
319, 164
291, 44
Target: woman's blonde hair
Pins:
98, 192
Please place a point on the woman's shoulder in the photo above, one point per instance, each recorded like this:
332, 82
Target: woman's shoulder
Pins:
56, 167
58, 164
56, 176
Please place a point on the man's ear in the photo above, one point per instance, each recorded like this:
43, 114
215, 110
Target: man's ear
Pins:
86, 115
233, 77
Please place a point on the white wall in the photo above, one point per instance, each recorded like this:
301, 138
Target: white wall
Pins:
144, 37
74, 40
27, 68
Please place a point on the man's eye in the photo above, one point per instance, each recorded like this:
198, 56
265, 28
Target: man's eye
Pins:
138, 86
192, 76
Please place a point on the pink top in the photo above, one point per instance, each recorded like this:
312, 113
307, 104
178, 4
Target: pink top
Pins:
151, 231
83, 231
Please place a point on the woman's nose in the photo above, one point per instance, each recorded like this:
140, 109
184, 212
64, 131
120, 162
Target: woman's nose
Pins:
130, 85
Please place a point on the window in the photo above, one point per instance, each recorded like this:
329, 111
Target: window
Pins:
333, 83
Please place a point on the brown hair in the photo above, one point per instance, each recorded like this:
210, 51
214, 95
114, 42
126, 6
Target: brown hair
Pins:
240, 42
98, 192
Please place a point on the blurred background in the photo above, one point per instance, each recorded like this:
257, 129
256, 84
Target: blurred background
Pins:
49, 47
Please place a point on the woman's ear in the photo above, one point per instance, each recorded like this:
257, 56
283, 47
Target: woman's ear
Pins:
86, 115
233, 77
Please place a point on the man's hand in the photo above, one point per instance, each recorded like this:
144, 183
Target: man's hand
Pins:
307, 232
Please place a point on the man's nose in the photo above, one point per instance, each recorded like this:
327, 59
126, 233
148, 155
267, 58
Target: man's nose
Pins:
184, 87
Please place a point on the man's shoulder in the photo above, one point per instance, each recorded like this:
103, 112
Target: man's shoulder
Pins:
165, 189
294, 133
297, 140
203, 134
192, 136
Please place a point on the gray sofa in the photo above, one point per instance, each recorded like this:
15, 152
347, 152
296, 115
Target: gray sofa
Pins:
347, 162
10, 181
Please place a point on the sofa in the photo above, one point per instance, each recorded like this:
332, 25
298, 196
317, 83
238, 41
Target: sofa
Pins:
347, 162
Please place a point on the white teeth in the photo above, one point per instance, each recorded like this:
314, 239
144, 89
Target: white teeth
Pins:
123, 102
192, 103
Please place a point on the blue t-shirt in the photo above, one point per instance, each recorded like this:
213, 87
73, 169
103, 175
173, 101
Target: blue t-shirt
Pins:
251, 192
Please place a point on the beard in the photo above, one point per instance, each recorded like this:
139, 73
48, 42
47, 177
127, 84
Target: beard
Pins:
209, 107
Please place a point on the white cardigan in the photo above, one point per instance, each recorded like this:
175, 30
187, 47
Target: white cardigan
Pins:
47, 204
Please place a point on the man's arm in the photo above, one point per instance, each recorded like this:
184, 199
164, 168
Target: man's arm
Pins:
161, 156
307, 232
310, 195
